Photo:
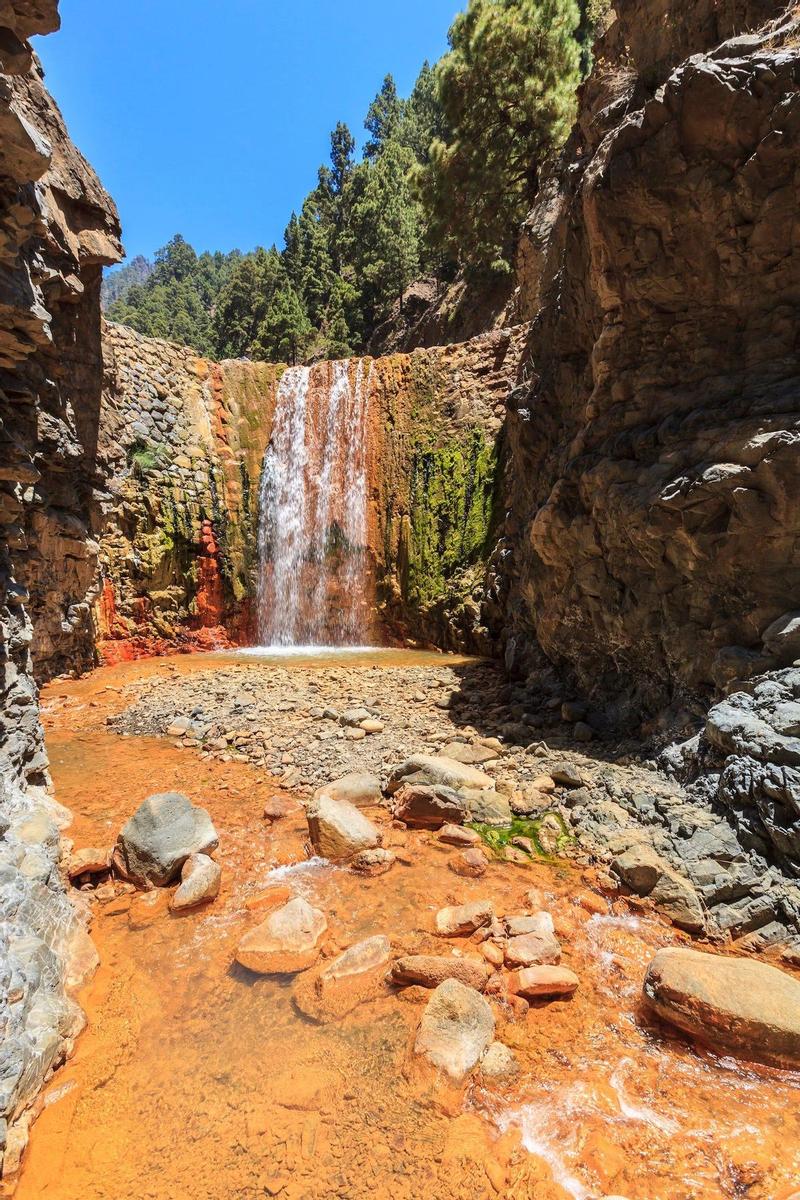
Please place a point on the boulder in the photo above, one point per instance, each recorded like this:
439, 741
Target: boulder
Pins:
456, 1029
733, 1005
286, 942
566, 774
163, 832
200, 880
338, 830
532, 948
352, 978
429, 970
537, 922
537, 982
464, 918
639, 868
472, 756
440, 770
277, 808
357, 788
426, 806
782, 638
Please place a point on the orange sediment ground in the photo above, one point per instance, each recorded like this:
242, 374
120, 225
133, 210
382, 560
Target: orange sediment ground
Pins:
196, 1079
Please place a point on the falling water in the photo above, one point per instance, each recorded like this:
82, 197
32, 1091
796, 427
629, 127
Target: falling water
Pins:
312, 542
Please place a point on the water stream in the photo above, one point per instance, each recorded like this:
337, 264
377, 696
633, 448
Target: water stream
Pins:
313, 582
196, 1079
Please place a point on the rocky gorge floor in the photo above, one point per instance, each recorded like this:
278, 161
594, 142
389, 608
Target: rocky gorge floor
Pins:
317, 1084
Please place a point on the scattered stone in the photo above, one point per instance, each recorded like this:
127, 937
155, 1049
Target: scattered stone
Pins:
567, 775
374, 862
499, 1064
200, 882
372, 726
273, 898
355, 735
90, 861
542, 981
286, 943
338, 830
277, 808
456, 1029
357, 788
464, 918
364, 956
730, 1004
456, 835
470, 864
429, 970
426, 806
533, 948
493, 953
157, 840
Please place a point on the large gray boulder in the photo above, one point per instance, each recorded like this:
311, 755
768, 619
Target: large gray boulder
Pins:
733, 1005
462, 792
456, 1029
163, 832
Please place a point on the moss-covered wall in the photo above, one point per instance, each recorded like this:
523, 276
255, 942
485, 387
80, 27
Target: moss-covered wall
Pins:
184, 442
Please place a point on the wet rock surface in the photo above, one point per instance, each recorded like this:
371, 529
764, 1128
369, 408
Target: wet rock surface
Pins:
731, 1004
162, 834
456, 1029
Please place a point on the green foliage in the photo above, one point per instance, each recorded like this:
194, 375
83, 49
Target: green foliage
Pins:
144, 458
451, 513
507, 89
445, 178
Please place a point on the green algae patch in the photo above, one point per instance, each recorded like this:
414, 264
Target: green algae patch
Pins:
499, 838
452, 502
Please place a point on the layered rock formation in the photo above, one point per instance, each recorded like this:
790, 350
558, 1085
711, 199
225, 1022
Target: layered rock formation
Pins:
655, 448
181, 449
57, 229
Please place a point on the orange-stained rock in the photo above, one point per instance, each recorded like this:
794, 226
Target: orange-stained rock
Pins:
286, 942
732, 1004
429, 970
535, 982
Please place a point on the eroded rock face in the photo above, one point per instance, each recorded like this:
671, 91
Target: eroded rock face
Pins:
657, 444
731, 1004
57, 229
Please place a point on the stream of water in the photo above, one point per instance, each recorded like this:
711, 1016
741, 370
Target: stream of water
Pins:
312, 541
195, 1079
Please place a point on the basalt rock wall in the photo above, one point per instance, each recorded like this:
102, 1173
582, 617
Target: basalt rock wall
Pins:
181, 449
57, 229
655, 473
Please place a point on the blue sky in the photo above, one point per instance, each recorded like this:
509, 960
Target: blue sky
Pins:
210, 117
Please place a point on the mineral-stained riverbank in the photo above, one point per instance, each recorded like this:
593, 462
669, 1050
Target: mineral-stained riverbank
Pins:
194, 1074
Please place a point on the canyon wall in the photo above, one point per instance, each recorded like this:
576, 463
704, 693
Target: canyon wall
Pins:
655, 471
57, 230
181, 450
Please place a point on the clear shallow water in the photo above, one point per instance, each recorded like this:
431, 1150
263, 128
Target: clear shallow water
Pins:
195, 1079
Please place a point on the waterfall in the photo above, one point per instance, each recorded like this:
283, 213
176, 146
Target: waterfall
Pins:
313, 579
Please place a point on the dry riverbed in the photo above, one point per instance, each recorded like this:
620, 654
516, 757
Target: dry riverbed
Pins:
196, 1077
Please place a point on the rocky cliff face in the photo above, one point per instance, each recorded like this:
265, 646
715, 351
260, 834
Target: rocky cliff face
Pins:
655, 449
181, 449
57, 229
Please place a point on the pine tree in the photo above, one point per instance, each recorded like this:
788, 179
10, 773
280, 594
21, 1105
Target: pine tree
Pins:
285, 332
383, 118
507, 89
386, 230
244, 302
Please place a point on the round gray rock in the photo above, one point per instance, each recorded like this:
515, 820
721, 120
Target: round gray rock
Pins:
163, 832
